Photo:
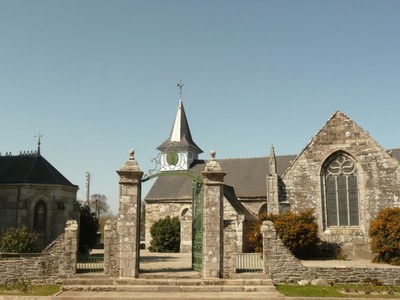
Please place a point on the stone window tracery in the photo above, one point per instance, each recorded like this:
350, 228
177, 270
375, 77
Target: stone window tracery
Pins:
340, 192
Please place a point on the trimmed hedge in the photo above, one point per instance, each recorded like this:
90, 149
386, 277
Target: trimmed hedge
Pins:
166, 235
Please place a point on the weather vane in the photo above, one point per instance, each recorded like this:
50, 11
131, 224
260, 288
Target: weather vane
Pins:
180, 86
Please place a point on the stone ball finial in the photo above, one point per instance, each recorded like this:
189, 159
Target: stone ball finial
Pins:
213, 165
131, 154
212, 154
131, 164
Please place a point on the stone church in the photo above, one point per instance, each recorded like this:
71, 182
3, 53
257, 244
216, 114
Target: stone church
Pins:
342, 173
35, 194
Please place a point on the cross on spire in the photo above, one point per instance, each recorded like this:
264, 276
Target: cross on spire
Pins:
38, 136
180, 86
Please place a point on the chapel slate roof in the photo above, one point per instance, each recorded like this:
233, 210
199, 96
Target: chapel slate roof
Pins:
246, 175
34, 169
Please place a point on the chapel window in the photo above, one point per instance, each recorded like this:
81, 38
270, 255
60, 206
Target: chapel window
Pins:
340, 192
40, 216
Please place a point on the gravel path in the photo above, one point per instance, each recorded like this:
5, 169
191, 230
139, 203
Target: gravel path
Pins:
173, 261
165, 261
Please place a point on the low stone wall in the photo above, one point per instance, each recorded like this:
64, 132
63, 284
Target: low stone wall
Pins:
111, 239
51, 266
355, 275
230, 249
284, 267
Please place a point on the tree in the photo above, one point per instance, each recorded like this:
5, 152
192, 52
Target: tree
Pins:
166, 235
98, 204
89, 226
18, 240
384, 232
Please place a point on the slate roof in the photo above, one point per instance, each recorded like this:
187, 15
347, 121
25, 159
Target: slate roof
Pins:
230, 195
34, 169
246, 175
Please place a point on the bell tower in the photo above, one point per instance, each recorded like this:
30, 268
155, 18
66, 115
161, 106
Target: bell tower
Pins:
179, 150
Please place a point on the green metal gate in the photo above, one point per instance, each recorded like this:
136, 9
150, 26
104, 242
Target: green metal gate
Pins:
197, 226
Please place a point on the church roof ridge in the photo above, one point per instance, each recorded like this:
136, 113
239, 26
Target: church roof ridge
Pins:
255, 157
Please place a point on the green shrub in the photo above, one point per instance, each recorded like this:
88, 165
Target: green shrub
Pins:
166, 235
384, 232
299, 232
18, 240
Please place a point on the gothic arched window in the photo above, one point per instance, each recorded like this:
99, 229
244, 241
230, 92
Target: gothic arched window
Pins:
40, 216
340, 192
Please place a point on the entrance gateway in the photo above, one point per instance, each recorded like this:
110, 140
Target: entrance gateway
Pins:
122, 237
172, 168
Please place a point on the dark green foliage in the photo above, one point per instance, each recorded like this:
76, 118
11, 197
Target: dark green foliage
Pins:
89, 225
299, 232
384, 232
18, 240
166, 235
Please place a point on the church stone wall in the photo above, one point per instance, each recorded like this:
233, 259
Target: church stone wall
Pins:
378, 183
157, 211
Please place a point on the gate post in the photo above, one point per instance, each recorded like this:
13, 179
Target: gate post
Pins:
213, 217
128, 224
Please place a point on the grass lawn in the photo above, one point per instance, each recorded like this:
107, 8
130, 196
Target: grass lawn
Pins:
39, 290
344, 291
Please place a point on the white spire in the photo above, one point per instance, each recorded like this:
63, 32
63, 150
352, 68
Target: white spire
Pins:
176, 130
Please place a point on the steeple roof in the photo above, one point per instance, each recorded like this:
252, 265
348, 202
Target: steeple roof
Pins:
180, 134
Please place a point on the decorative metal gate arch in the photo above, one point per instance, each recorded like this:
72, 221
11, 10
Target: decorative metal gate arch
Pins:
173, 158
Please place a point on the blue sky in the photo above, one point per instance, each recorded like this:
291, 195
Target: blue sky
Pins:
98, 78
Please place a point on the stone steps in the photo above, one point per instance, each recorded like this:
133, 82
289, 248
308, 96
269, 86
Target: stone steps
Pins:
169, 288
168, 285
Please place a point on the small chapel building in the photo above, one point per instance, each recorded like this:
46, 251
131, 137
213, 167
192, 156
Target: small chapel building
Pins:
34, 194
343, 174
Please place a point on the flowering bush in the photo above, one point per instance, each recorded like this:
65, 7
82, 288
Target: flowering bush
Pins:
384, 232
299, 232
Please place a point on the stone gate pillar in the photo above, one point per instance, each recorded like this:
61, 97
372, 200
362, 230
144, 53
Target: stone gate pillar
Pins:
128, 224
213, 218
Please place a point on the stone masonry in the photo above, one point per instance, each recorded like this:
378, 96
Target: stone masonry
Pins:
176, 208
56, 262
129, 218
111, 239
283, 267
213, 239
377, 179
